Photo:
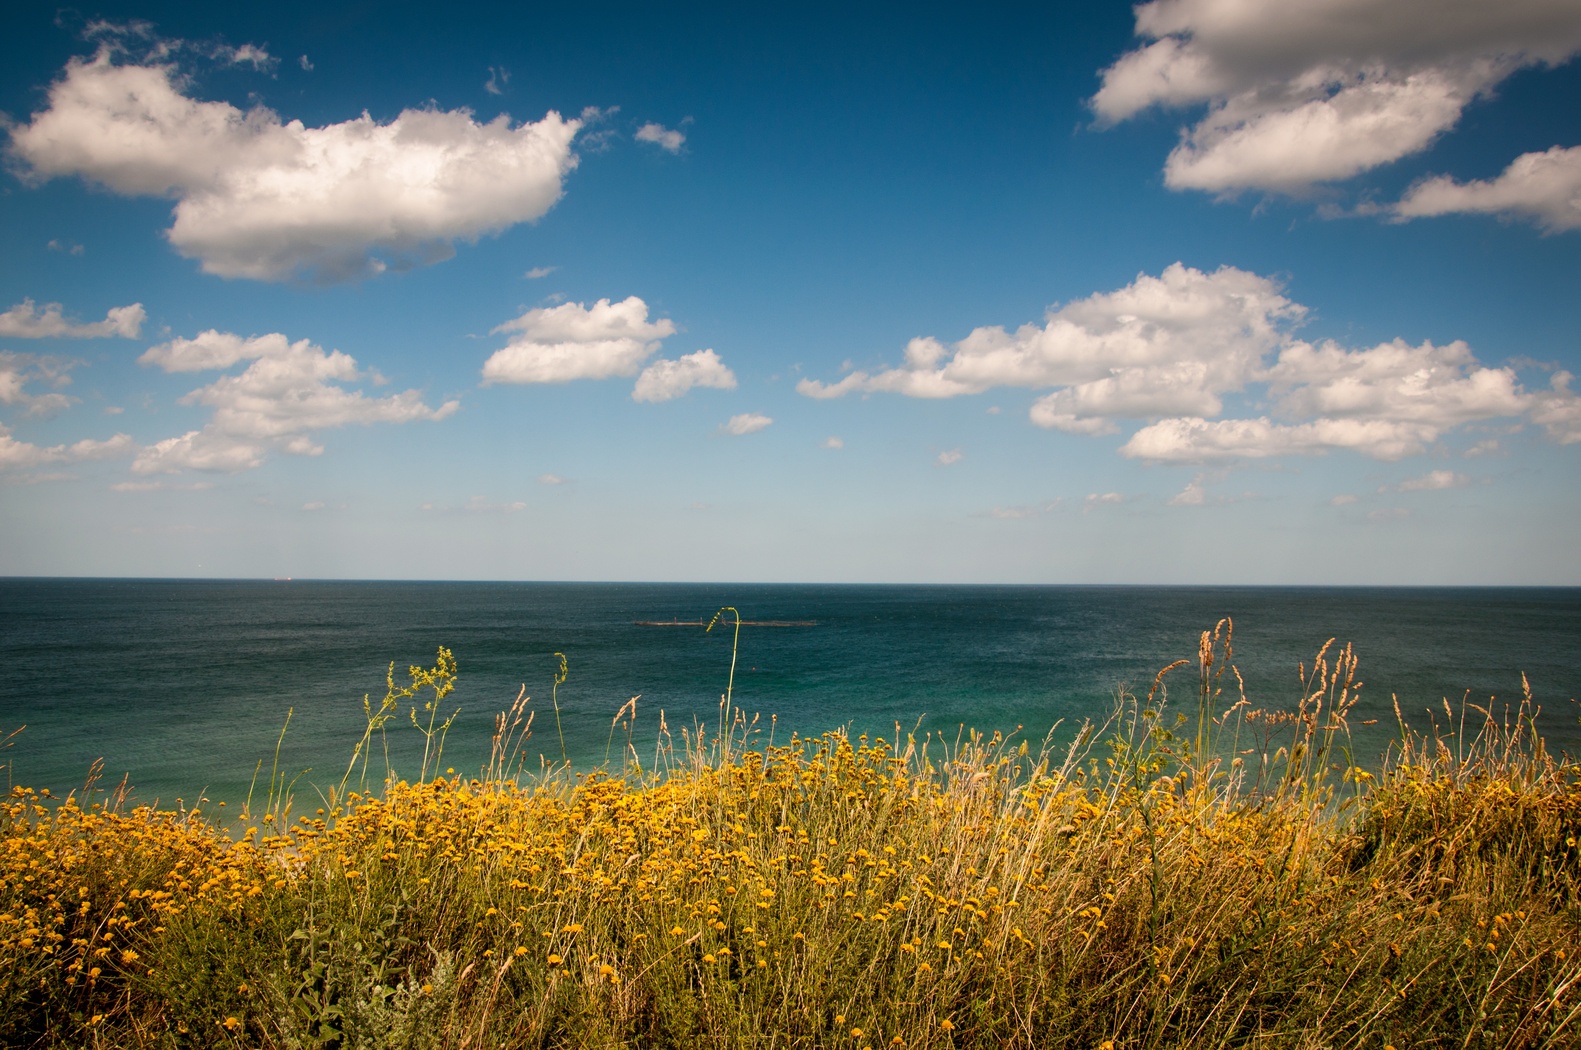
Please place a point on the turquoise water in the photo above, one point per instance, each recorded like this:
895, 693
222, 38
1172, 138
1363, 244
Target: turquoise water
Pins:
184, 685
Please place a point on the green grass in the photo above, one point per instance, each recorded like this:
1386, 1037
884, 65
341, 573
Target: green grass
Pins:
1221, 877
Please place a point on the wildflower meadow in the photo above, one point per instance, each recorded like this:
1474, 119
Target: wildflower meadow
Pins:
1193, 872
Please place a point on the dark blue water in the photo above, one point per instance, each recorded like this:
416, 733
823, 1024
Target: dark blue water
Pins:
184, 685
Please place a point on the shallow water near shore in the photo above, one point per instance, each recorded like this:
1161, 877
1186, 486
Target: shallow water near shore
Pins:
184, 685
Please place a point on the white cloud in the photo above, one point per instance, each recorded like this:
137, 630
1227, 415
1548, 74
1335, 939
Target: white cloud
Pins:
1195, 494
1307, 91
160, 486
499, 76
287, 392
1195, 440
661, 136
950, 457
1170, 349
26, 321
269, 199
1543, 187
1435, 479
1441, 386
19, 455
305, 63
1095, 500
246, 54
664, 380
556, 344
551, 479
1167, 344
538, 272
832, 442
1558, 410
746, 423
19, 371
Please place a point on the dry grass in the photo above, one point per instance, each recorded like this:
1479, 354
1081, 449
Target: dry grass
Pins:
1220, 878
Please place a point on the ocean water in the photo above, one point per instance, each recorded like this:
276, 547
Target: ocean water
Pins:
183, 686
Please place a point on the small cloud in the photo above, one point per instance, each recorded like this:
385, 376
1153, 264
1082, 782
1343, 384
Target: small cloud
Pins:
994, 410
832, 442
1483, 448
1098, 499
950, 457
1193, 495
551, 479
69, 247
499, 76
113, 410
597, 141
558, 344
315, 505
746, 423
1436, 479
247, 54
160, 486
26, 321
1342, 500
1024, 511
479, 505
539, 272
307, 67
667, 139
665, 380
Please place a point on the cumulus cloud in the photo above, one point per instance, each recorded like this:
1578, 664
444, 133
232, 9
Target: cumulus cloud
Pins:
1441, 386
1544, 188
665, 138
20, 455
1169, 350
286, 393
1310, 91
265, 198
538, 272
950, 457
556, 344
664, 380
1195, 440
26, 321
746, 423
1167, 344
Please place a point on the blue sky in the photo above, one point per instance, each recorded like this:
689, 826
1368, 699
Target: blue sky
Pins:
1200, 291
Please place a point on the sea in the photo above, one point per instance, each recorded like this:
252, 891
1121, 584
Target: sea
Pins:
200, 689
